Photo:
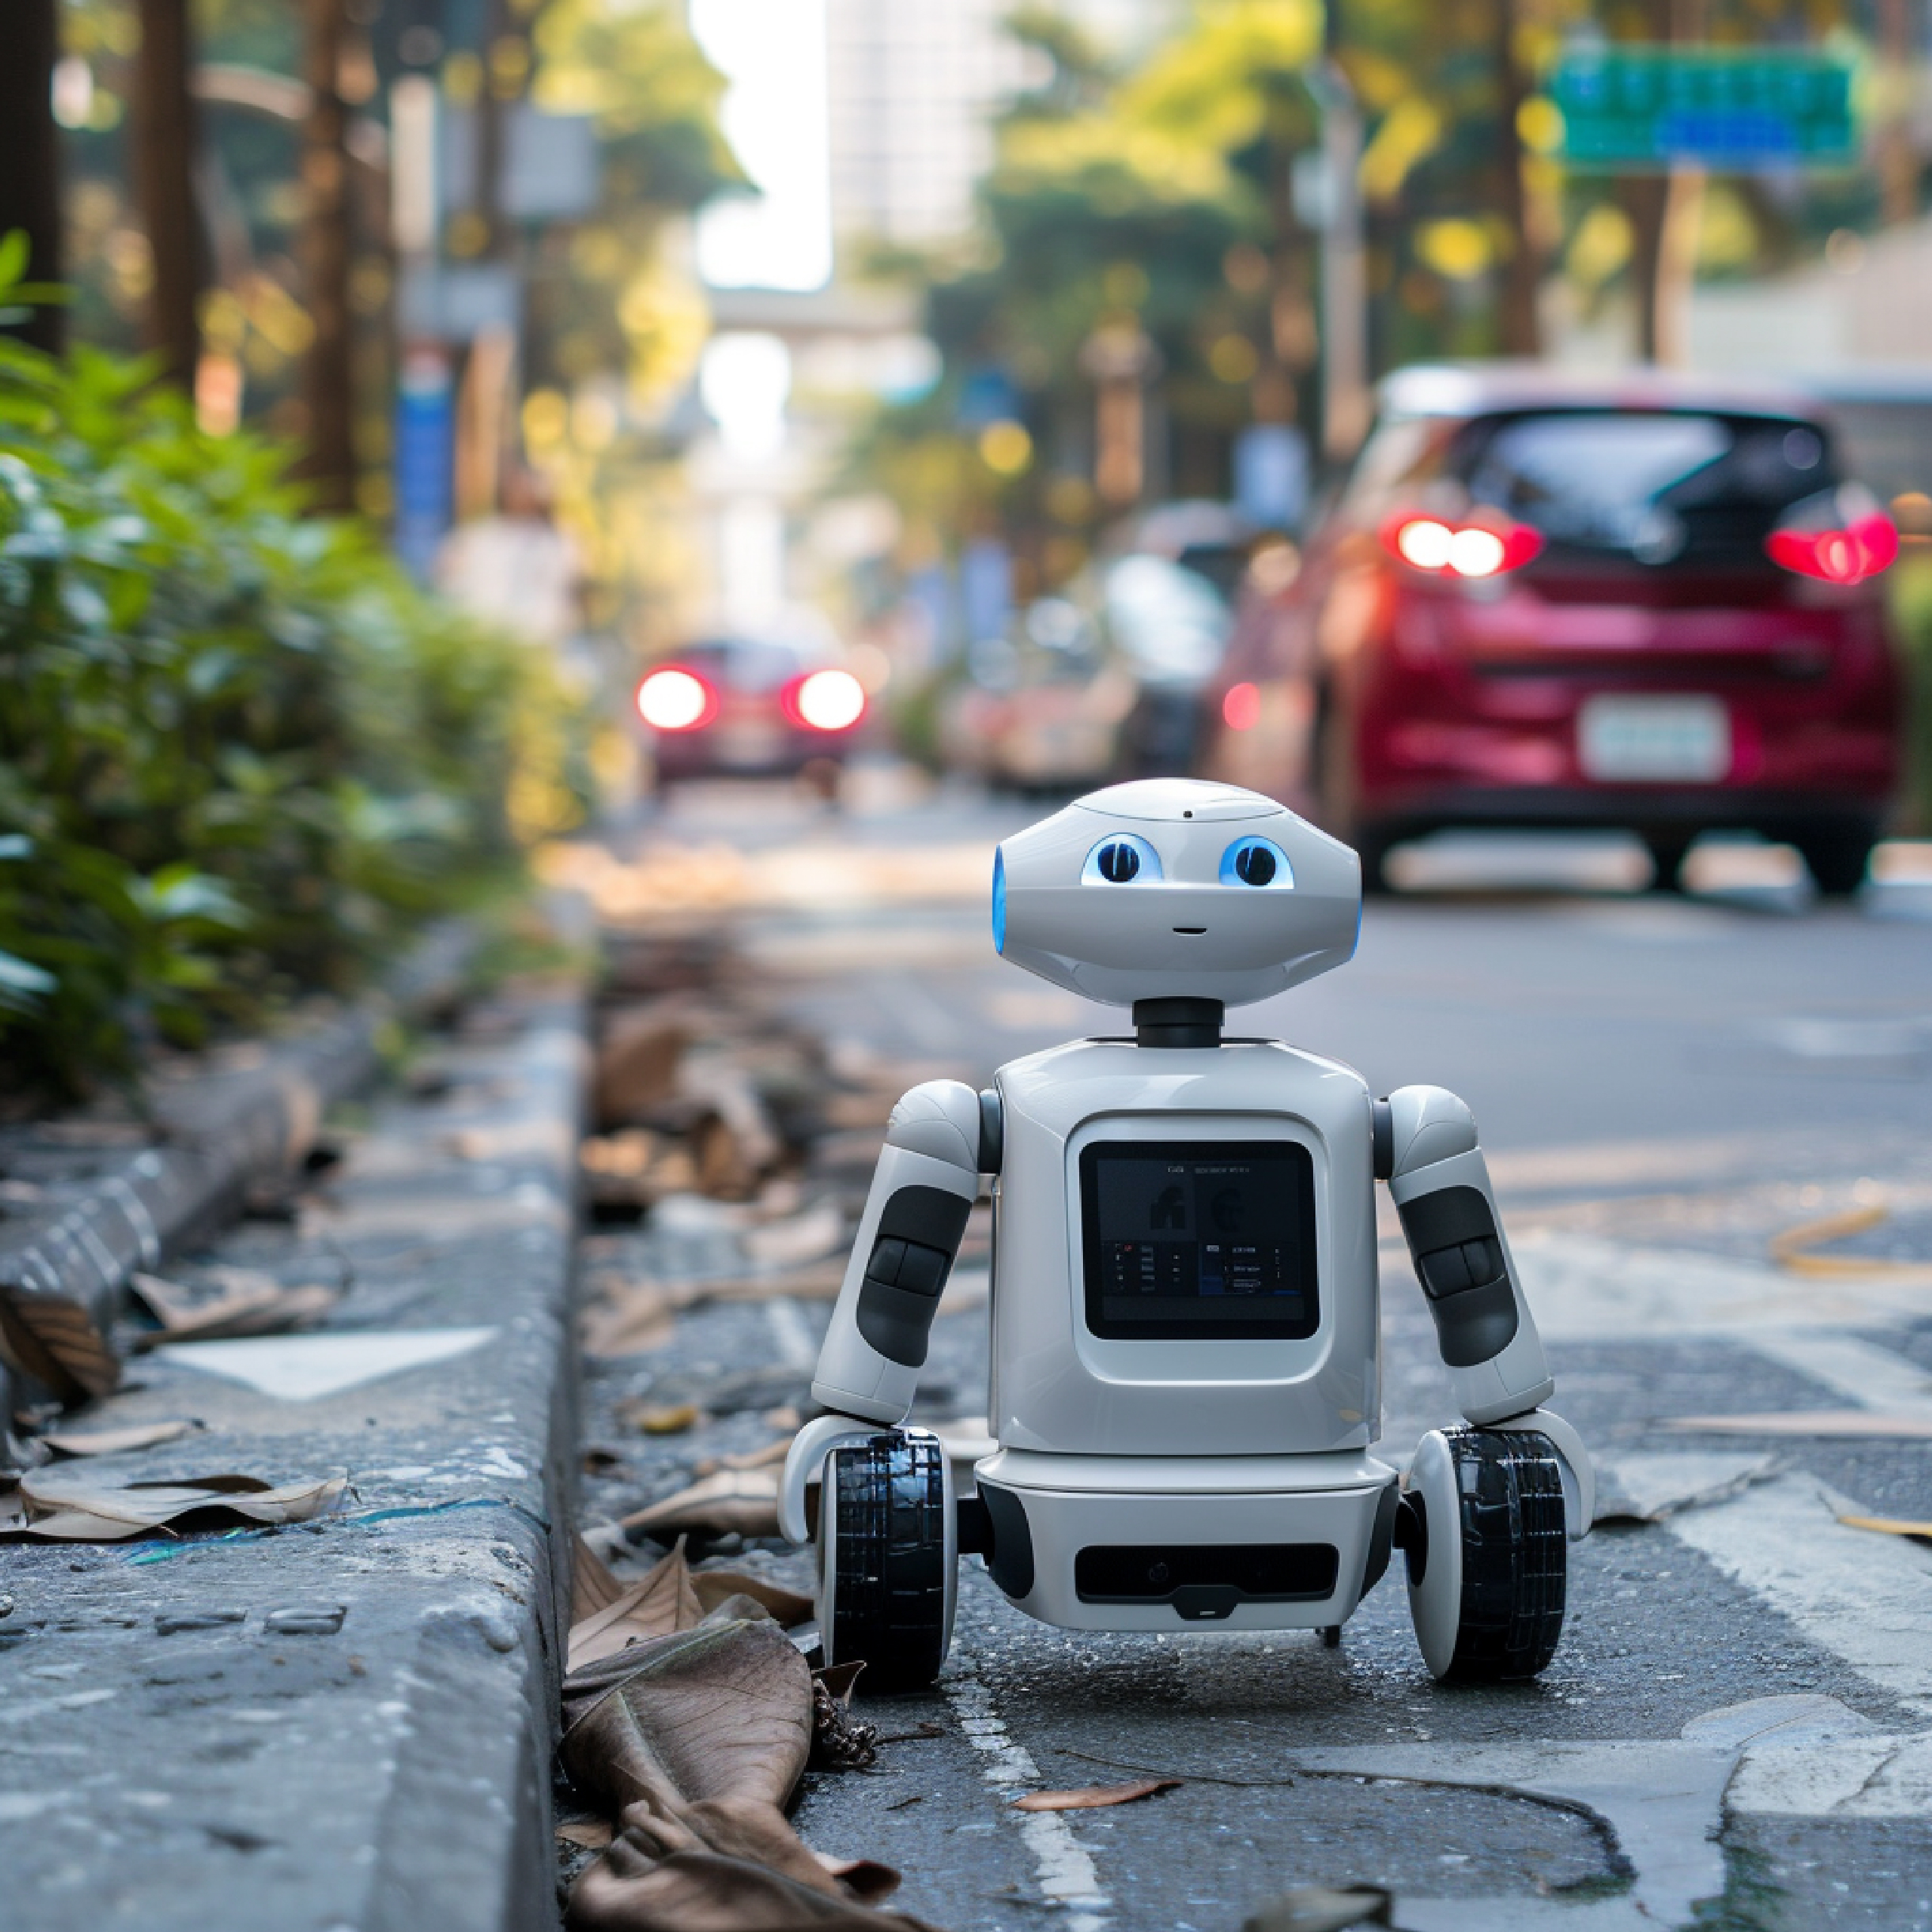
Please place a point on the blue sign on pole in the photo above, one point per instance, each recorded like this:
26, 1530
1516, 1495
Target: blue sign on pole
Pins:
425, 459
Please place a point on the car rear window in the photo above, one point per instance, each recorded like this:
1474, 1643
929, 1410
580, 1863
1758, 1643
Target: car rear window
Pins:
1663, 487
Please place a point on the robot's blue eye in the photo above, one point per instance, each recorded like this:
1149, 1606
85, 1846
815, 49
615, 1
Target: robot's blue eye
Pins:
999, 901
1121, 858
1255, 862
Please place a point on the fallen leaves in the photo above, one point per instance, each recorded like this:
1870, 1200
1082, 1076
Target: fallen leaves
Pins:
745, 1500
1094, 1797
67, 1504
1795, 1249
247, 1302
670, 1597
693, 1743
118, 1441
1890, 1526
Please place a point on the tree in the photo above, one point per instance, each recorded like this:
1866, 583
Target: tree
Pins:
30, 161
328, 384
165, 146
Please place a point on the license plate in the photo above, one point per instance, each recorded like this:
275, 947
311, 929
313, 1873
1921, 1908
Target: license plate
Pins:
747, 746
1632, 740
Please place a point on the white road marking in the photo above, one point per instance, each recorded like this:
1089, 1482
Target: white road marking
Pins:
1582, 1289
1865, 1598
1065, 1869
1868, 1377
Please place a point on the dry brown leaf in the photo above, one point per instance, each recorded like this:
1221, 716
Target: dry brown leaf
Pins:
627, 1322
1807, 1422
865, 1878
249, 1303
118, 1441
593, 1583
638, 1059
694, 1742
593, 1834
661, 1602
666, 1418
745, 1500
1092, 1797
65, 1503
1890, 1526
714, 1587
53, 1337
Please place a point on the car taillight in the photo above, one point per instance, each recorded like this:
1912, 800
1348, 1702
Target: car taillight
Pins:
825, 701
1485, 543
1838, 536
1241, 710
675, 700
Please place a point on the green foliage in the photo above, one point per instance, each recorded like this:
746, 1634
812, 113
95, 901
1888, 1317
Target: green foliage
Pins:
238, 751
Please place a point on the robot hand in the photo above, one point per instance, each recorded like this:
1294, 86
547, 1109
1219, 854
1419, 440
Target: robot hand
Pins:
1427, 1149
942, 1137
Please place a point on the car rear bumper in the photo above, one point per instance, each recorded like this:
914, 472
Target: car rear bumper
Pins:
1642, 809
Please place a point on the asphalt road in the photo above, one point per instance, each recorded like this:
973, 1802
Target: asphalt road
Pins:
1663, 1085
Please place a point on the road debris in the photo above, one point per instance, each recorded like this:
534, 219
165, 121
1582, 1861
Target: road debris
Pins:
63, 1503
744, 1500
840, 1742
246, 1303
1890, 1526
1094, 1797
118, 1441
690, 1744
1649, 1486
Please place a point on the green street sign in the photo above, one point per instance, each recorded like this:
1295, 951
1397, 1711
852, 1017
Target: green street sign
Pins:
1631, 107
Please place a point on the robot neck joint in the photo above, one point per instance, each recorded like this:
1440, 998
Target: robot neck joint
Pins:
1177, 1023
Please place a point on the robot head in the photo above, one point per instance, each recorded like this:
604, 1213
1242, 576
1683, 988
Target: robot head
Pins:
1169, 887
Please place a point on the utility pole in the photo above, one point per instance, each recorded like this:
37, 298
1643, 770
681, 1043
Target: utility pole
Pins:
1344, 390
1519, 326
164, 150
30, 157
328, 374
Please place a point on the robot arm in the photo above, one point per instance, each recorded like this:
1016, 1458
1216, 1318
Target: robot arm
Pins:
942, 1137
1426, 1147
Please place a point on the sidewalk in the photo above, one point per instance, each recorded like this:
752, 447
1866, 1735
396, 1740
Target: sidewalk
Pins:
345, 1721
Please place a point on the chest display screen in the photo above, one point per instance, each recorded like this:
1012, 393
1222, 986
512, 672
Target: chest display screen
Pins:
1204, 1241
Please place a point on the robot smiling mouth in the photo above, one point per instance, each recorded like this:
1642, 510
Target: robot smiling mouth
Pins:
1190, 929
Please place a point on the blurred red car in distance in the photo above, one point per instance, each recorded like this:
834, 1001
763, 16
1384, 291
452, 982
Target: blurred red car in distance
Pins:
1544, 599
736, 706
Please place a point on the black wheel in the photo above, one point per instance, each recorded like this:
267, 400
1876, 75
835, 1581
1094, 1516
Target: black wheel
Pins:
1488, 1553
886, 1550
1667, 850
1837, 859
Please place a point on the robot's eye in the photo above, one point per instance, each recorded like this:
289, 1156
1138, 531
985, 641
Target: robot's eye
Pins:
1255, 862
1121, 858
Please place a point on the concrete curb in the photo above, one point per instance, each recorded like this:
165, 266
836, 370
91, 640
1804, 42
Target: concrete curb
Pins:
175, 1762
62, 1275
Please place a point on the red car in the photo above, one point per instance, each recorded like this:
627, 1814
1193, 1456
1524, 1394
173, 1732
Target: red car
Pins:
777, 706
1649, 601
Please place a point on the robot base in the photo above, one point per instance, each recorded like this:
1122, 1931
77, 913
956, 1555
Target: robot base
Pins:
1154, 1543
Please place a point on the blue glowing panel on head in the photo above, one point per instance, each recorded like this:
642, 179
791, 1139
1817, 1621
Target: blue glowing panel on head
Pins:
999, 901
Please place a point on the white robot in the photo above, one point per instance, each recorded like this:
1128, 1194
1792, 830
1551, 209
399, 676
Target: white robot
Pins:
1186, 1325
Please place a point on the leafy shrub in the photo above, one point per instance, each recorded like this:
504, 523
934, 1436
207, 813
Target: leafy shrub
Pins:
238, 751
